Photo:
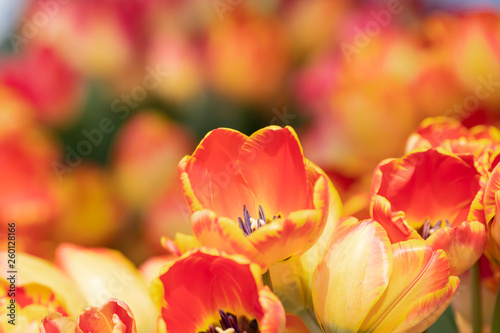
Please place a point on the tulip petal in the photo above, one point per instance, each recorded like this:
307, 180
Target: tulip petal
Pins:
273, 320
394, 223
352, 276
463, 244
101, 274
272, 163
55, 322
281, 239
428, 185
223, 234
113, 317
294, 324
492, 203
433, 131
420, 276
213, 174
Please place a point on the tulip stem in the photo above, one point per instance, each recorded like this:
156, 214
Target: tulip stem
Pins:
309, 319
477, 313
495, 325
266, 278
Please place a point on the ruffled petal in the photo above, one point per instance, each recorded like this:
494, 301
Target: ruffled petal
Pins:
272, 163
463, 244
352, 276
420, 276
433, 131
394, 223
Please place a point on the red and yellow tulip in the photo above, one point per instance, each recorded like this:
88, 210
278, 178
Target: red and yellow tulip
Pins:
257, 196
114, 316
208, 291
427, 194
370, 281
448, 133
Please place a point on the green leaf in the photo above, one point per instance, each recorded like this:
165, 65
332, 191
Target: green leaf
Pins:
445, 323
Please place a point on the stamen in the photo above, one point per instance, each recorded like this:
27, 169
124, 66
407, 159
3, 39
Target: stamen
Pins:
249, 224
261, 213
427, 230
229, 323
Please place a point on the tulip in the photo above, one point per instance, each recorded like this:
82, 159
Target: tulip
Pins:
101, 274
40, 288
113, 317
448, 133
257, 196
369, 281
208, 291
428, 194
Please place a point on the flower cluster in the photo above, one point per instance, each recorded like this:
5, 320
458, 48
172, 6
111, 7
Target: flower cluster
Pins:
381, 218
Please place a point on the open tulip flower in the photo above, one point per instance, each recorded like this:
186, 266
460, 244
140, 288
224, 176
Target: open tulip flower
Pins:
113, 317
208, 291
256, 196
428, 194
480, 141
371, 280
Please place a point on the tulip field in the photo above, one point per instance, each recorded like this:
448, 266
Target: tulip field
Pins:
231, 166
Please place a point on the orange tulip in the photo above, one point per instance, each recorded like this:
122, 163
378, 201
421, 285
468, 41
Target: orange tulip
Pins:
428, 194
369, 281
208, 291
448, 133
112, 317
257, 196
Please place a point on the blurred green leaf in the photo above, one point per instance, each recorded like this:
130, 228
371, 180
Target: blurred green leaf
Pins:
445, 323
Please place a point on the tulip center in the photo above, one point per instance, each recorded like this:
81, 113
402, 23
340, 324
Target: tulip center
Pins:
427, 230
229, 323
249, 224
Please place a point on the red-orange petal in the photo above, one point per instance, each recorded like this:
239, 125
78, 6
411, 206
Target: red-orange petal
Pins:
463, 244
203, 281
273, 320
272, 163
214, 176
433, 131
430, 184
113, 317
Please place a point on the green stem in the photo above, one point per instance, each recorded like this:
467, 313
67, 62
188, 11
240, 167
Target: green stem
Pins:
477, 313
310, 321
495, 325
266, 278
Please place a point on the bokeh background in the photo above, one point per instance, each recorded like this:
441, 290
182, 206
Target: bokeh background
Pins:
100, 99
